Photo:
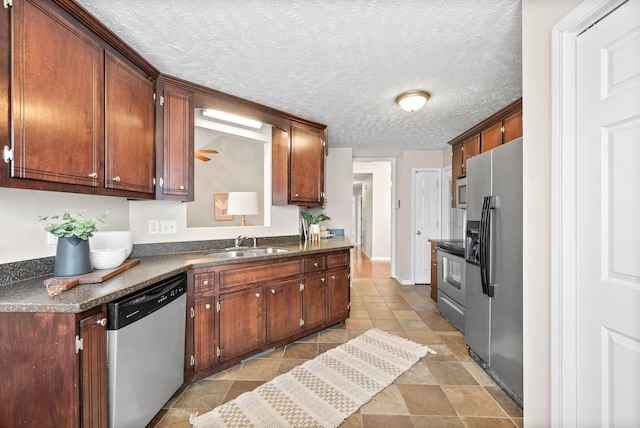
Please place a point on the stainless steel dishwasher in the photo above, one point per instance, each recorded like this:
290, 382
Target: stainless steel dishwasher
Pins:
145, 351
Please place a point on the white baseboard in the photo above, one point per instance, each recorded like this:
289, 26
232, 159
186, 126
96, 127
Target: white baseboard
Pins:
380, 259
402, 281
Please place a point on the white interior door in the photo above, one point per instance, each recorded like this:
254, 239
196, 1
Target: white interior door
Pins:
426, 185
608, 221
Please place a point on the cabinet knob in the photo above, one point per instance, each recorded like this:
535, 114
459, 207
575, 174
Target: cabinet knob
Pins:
257, 294
205, 282
102, 322
181, 187
315, 264
273, 291
116, 179
322, 279
208, 306
93, 175
296, 195
333, 277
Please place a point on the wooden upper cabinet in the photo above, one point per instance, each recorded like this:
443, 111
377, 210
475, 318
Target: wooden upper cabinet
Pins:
491, 137
130, 127
307, 166
175, 137
512, 126
456, 169
470, 148
298, 166
57, 98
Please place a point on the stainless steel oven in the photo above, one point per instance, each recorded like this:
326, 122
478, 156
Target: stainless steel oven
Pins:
451, 284
461, 192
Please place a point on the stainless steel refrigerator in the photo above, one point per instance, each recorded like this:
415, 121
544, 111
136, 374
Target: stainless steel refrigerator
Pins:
493, 313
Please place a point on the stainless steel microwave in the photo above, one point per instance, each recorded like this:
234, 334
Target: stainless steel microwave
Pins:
461, 192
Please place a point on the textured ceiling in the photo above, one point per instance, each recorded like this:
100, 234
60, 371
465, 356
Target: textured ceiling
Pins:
339, 62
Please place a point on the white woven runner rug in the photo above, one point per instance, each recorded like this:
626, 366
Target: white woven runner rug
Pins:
324, 391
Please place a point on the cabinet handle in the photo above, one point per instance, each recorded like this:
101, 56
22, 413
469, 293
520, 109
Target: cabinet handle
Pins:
102, 322
116, 179
208, 306
205, 282
257, 294
93, 175
181, 187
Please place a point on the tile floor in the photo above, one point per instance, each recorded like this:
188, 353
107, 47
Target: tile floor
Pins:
443, 390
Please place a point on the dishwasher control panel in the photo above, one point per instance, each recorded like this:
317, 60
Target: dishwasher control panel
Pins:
137, 305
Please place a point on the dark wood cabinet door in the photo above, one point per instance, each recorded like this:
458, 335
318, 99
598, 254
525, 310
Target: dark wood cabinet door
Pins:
279, 167
434, 271
204, 338
93, 366
512, 126
314, 300
456, 169
339, 294
241, 323
491, 137
470, 148
177, 145
57, 105
306, 166
284, 309
130, 127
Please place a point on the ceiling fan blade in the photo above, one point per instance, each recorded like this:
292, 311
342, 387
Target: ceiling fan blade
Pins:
206, 151
200, 157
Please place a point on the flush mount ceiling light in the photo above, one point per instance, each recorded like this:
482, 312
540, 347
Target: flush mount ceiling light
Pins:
228, 117
412, 100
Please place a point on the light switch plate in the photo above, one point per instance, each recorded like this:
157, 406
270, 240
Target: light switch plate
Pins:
168, 227
52, 239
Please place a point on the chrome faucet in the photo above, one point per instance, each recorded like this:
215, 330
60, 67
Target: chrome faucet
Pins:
254, 240
239, 240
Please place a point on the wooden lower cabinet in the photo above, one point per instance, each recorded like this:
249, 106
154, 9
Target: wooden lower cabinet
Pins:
205, 352
339, 294
54, 369
241, 323
314, 308
284, 309
434, 271
260, 305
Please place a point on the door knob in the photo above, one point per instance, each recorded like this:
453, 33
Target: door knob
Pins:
419, 233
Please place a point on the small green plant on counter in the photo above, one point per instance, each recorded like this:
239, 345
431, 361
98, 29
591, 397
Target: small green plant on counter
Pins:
311, 219
66, 226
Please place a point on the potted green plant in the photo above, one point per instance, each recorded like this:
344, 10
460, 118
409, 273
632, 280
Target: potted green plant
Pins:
73, 233
313, 221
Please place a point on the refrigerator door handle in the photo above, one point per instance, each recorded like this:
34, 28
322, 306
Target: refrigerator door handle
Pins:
483, 244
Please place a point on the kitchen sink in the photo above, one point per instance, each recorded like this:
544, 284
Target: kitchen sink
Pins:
270, 250
230, 254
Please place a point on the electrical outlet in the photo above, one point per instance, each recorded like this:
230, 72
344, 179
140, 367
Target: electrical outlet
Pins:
168, 227
154, 227
52, 239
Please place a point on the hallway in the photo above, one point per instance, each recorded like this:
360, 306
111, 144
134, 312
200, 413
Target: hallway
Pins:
443, 390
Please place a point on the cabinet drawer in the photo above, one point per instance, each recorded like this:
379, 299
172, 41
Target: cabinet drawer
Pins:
338, 259
204, 281
313, 263
248, 274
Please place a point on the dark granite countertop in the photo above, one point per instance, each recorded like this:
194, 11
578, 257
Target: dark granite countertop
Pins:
30, 295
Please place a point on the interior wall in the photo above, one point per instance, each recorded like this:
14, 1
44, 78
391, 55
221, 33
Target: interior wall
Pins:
338, 178
405, 162
23, 236
378, 243
367, 217
538, 18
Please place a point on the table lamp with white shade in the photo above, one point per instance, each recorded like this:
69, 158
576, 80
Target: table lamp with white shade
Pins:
244, 204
